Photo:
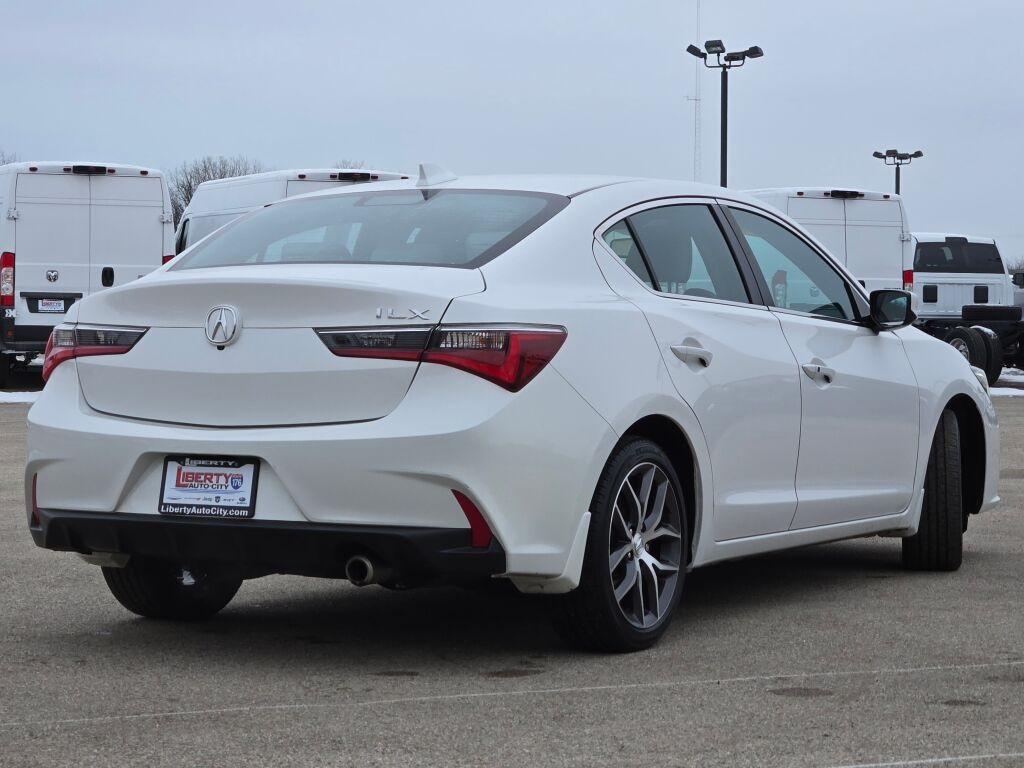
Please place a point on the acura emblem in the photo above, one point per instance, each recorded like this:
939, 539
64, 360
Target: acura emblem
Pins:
221, 326
52, 275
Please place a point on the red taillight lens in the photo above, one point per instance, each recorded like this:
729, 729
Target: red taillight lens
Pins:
507, 356
167, 258
479, 532
908, 279
7, 279
69, 340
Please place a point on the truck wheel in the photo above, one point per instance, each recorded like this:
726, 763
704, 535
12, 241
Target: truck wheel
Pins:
635, 561
158, 589
969, 343
993, 354
938, 543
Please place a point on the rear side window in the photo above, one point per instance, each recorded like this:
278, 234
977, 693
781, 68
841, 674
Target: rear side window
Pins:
688, 253
953, 256
452, 228
621, 241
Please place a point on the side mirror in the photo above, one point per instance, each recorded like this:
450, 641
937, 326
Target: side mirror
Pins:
1018, 279
891, 309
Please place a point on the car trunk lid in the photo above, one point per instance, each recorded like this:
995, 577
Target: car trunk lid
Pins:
274, 370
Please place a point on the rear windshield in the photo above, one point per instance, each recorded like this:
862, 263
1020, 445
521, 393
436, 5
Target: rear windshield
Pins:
958, 257
450, 227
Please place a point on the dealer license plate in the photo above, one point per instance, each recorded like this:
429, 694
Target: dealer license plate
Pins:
209, 486
51, 305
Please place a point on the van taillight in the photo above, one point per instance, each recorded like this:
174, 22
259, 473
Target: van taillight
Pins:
69, 340
908, 279
509, 356
167, 258
7, 279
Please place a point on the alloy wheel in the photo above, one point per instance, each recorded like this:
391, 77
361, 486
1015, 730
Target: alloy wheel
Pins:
645, 546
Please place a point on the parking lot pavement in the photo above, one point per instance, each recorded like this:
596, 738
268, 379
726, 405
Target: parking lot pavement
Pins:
826, 656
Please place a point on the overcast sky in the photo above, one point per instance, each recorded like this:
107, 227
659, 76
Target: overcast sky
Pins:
537, 85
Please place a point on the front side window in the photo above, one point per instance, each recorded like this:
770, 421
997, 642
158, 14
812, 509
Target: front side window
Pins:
453, 228
797, 276
688, 253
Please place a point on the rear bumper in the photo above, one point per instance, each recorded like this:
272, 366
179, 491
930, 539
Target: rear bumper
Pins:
259, 546
24, 339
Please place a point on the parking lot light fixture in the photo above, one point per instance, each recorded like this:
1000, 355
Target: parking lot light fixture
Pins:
724, 61
897, 159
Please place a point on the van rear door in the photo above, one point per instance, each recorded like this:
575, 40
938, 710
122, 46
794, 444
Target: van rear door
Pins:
825, 219
126, 228
51, 245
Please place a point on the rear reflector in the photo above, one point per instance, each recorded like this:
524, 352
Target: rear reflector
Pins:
509, 356
7, 279
35, 522
908, 279
89, 170
479, 532
69, 340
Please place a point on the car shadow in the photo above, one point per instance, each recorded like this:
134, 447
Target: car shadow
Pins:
382, 627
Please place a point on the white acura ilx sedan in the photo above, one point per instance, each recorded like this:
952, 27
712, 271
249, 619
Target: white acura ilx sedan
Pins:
587, 386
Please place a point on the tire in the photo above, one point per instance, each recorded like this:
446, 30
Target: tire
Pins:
969, 343
938, 543
591, 617
157, 589
993, 354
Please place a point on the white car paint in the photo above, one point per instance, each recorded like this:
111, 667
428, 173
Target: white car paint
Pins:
778, 460
65, 226
221, 201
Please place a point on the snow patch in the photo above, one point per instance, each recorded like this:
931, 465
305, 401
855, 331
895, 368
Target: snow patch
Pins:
18, 397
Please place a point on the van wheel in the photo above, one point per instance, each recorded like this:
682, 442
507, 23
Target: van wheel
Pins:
969, 343
993, 354
635, 562
938, 543
158, 589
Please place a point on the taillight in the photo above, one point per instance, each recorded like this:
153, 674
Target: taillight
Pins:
386, 344
167, 258
68, 340
908, 279
7, 279
509, 356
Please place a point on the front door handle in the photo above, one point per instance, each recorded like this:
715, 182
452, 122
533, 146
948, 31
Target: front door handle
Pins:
692, 354
819, 373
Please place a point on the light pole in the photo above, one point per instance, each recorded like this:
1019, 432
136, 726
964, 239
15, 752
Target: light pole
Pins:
725, 62
896, 158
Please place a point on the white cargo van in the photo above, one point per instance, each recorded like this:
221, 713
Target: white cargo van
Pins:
217, 202
866, 231
69, 229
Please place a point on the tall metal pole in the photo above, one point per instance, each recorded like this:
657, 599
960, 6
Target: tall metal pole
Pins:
725, 125
698, 65
897, 179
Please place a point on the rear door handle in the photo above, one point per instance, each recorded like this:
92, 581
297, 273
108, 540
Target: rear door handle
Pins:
819, 373
692, 354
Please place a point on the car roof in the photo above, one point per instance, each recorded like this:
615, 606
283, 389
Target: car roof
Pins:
940, 237
569, 185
